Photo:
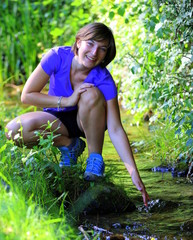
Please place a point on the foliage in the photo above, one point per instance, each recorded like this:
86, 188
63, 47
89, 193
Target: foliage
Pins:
26, 197
22, 219
165, 145
30, 27
153, 68
155, 59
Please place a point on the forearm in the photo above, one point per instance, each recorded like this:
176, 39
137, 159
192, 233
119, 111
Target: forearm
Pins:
122, 146
43, 100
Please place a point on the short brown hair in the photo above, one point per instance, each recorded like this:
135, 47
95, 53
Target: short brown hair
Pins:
98, 32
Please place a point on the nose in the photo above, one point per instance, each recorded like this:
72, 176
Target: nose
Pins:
94, 50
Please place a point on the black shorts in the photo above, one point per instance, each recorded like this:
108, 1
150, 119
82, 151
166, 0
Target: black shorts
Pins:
69, 119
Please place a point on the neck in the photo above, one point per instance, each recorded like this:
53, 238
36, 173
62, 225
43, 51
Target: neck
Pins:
77, 67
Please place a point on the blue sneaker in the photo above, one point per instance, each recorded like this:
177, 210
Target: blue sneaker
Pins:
69, 155
95, 167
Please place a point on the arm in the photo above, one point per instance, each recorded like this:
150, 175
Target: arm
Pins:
121, 143
32, 95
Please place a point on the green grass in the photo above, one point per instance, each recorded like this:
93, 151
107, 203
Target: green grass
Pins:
33, 208
22, 218
165, 145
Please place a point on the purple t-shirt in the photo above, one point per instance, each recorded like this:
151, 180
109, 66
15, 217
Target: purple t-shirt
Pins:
57, 64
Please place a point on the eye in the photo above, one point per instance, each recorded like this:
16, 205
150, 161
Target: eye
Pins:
104, 49
90, 43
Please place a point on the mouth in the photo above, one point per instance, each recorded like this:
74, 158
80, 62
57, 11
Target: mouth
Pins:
91, 58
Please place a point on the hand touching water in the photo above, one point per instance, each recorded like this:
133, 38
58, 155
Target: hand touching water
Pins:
140, 186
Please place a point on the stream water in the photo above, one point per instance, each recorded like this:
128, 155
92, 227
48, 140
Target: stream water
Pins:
170, 211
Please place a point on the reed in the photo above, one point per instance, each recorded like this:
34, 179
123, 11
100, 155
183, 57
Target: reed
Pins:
21, 218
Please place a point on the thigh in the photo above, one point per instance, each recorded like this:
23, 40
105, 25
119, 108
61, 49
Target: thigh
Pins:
37, 121
69, 119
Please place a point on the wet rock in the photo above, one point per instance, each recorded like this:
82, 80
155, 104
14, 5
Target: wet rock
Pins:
86, 197
115, 237
187, 226
111, 199
177, 170
107, 235
177, 173
116, 225
158, 205
162, 169
103, 198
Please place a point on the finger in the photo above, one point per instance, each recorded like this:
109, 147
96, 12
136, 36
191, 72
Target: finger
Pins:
87, 85
146, 199
82, 90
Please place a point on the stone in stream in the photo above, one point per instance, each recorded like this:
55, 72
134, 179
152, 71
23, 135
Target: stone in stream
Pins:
103, 198
187, 226
175, 171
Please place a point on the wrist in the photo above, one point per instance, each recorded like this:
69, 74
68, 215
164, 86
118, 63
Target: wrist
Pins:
59, 103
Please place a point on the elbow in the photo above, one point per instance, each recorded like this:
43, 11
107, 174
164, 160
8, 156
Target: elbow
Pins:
24, 98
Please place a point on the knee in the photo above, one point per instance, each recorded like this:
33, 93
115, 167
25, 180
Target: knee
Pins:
92, 98
12, 129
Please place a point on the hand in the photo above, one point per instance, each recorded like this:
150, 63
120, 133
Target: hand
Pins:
140, 186
74, 98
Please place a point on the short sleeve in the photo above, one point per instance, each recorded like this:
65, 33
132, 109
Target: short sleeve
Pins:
103, 80
108, 88
51, 62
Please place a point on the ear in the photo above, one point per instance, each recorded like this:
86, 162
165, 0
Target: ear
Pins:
78, 43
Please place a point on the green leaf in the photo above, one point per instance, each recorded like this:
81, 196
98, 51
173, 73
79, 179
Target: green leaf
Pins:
3, 148
103, 10
57, 32
126, 20
121, 11
189, 132
134, 69
111, 15
178, 131
189, 142
159, 33
76, 3
153, 48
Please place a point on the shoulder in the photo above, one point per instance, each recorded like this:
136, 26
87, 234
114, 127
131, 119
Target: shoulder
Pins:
55, 58
103, 80
102, 73
60, 51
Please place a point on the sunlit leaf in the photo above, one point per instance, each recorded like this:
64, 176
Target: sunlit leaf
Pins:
189, 142
111, 15
121, 11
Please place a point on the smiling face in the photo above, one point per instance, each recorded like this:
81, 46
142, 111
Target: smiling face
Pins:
91, 53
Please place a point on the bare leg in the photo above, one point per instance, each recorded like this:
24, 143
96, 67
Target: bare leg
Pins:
26, 124
92, 118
